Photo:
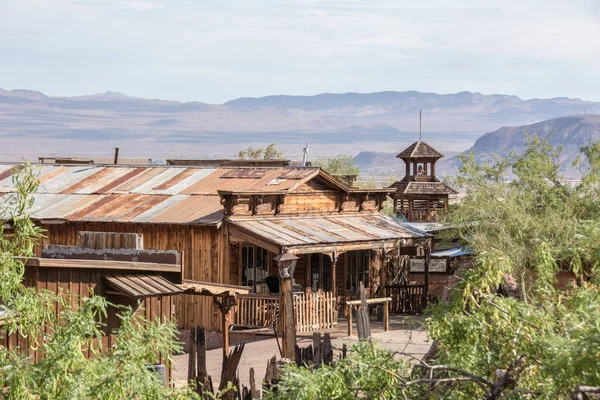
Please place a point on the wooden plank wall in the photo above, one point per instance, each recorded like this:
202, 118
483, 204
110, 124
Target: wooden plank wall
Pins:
303, 204
82, 283
202, 247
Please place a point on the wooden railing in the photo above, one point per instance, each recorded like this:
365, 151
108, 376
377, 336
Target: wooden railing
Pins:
256, 310
406, 299
313, 310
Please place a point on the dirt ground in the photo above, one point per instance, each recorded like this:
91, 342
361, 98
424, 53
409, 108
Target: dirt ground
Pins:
405, 335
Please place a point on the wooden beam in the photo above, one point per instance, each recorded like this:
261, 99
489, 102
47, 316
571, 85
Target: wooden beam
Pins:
213, 289
343, 248
104, 254
103, 264
369, 301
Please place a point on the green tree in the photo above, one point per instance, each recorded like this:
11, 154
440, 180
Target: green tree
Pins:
63, 338
268, 153
524, 231
339, 165
507, 331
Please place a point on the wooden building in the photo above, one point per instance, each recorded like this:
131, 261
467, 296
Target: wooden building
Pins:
118, 269
229, 224
419, 196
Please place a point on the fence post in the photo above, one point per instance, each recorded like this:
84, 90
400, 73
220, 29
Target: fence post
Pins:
349, 308
386, 316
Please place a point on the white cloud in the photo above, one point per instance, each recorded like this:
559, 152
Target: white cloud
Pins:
137, 5
213, 51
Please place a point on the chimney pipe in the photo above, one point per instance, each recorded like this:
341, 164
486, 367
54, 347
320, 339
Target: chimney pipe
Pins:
305, 155
116, 155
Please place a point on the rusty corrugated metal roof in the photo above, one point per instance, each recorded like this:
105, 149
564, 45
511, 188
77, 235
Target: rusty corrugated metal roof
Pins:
327, 230
140, 194
140, 286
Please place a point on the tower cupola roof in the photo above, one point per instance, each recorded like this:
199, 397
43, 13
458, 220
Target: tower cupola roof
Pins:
418, 150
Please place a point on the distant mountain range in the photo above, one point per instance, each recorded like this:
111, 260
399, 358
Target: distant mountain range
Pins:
33, 124
572, 133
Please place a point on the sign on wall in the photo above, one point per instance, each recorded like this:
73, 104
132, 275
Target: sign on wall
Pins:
436, 265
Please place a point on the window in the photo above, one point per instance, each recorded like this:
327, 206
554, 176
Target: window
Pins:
320, 272
357, 269
255, 267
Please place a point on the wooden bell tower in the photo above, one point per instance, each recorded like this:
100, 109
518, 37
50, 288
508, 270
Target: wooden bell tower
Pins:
420, 195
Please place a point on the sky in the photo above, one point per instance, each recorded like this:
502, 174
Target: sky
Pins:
217, 50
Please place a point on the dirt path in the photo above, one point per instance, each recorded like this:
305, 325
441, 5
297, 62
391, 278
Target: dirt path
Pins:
404, 336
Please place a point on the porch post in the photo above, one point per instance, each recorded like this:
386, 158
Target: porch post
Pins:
427, 250
334, 258
286, 265
289, 326
382, 274
225, 306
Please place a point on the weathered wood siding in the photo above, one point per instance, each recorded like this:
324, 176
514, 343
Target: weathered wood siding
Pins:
309, 203
81, 283
202, 248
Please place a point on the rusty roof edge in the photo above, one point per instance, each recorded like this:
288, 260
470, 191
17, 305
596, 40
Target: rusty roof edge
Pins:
251, 192
377, 190
56, 221
15, 163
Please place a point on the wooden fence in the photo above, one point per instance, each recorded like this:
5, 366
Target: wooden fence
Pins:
406, 299
255, 310
313, 310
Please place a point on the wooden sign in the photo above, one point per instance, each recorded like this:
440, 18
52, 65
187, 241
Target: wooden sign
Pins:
436, 265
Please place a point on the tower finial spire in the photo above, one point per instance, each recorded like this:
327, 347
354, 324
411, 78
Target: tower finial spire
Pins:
420, 124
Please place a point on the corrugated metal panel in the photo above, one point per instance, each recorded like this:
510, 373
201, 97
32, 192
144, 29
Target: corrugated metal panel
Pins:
193, 210
149, 185
156, 194
57, 206
132, 184
97, 182
139, 286
6, 179
168, 202
328, 230
246, 173
68, 177
312, 230
194, 176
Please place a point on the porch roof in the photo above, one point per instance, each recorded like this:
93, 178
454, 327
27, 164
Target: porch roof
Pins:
143, 285
324, 233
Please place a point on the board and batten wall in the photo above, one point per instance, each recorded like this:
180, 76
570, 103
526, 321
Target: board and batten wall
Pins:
203, 249
79, 283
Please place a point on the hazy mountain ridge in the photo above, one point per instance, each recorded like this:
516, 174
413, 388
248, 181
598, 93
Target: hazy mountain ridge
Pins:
330, 122
572, 133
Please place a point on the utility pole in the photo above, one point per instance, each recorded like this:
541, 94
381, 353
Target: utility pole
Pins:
420, 124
